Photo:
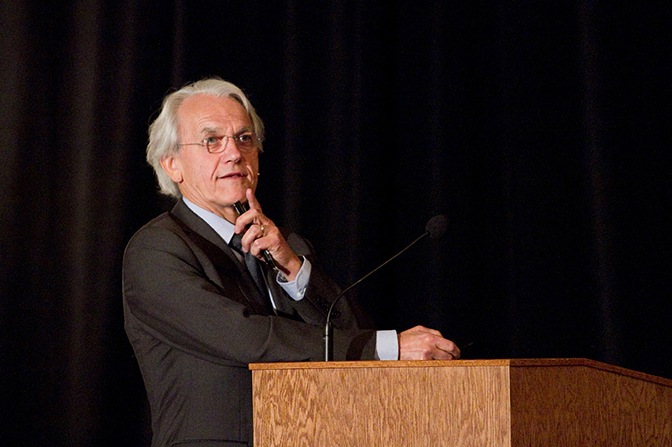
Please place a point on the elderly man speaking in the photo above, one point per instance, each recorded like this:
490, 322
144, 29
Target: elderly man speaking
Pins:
214, 284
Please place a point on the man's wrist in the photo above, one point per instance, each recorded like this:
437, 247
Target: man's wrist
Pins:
292, 269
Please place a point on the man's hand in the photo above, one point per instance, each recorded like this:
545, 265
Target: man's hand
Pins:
421, 343
262, 234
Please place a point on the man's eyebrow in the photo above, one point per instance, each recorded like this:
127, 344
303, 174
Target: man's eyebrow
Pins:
245, 129
209, 130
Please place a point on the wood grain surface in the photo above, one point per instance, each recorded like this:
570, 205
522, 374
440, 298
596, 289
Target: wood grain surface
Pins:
517, 402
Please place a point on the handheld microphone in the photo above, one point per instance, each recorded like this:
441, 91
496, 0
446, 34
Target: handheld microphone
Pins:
240, 209
435, 229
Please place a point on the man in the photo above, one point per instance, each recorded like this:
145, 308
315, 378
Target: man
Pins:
194, 313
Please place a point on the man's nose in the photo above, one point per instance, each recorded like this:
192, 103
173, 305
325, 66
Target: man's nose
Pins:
231, 150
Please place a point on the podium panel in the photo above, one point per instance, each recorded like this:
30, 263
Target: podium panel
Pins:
516, 402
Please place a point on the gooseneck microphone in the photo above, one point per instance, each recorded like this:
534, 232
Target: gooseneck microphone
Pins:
435, 229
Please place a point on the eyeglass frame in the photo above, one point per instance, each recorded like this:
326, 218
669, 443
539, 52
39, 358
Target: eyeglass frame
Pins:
235, 138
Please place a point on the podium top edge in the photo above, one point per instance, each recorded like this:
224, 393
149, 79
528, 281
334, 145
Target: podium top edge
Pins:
379, 364
550, 362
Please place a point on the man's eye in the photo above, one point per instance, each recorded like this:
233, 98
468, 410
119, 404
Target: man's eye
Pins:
245, 138
211, 140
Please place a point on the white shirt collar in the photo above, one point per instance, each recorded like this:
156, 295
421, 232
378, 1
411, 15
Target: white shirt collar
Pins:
221, 226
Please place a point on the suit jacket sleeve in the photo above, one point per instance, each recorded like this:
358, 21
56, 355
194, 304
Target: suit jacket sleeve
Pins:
182, 287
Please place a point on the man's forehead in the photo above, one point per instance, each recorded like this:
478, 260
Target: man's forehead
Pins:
209, 113
202, 103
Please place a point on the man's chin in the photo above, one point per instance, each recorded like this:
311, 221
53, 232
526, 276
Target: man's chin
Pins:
230, 199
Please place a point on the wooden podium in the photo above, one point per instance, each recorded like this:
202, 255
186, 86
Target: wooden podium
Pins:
544, 402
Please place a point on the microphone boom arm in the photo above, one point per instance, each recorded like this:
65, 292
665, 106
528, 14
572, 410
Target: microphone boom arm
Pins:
328, 343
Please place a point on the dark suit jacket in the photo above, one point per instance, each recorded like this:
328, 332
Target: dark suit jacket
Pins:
191, 317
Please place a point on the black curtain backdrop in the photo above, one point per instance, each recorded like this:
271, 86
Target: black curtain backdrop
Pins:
541, 129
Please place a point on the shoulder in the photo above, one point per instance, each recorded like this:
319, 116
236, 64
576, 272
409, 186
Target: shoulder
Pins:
163, 234
165, 223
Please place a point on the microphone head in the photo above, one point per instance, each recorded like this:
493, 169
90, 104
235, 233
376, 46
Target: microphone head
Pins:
437, 226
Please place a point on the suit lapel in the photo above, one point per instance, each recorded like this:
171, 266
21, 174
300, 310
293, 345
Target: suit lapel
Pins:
220, 255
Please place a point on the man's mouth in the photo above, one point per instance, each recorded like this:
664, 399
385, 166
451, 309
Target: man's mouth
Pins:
234, 175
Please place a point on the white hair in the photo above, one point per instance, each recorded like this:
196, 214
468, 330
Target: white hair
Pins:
163, 131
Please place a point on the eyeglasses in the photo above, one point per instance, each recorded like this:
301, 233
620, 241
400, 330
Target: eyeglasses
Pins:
244, 141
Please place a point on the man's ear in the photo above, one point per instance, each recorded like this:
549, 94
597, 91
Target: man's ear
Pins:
172, 167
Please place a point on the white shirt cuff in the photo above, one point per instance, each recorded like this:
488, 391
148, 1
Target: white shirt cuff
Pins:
296, 289
387, 345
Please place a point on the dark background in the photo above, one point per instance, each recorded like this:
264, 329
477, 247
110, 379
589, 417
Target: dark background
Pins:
542, 129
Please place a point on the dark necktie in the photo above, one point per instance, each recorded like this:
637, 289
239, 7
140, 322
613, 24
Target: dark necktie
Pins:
255, 269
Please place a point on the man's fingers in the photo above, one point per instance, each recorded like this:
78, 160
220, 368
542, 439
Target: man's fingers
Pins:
448, 347
421, 343
252, 200
252, 221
